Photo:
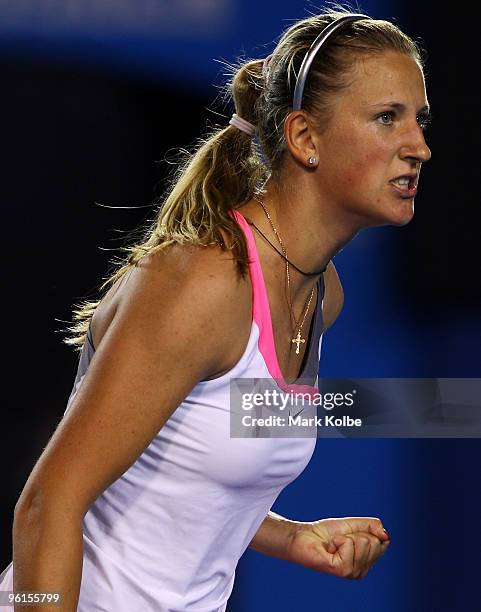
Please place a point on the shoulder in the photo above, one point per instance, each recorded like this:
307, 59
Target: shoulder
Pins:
333, 296
194, 288
185, 270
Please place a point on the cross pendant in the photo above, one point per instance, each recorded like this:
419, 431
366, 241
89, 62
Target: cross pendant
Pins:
297, 340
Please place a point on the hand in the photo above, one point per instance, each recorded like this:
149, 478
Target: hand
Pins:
346, 547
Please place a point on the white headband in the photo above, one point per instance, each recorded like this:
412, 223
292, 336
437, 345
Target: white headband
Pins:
242, 124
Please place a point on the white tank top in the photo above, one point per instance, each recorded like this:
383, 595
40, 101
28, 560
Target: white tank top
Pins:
167, 535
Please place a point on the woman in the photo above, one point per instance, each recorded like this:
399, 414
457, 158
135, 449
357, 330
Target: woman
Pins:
142, 500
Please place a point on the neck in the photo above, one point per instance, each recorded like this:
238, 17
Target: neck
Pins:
310, 228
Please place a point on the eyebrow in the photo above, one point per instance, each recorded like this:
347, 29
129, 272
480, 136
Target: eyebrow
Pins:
401, 107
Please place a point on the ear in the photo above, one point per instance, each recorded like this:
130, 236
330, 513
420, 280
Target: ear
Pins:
300, 138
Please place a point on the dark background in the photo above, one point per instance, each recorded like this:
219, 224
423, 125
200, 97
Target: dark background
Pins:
91, 107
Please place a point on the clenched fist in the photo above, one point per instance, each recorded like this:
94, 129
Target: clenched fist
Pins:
346, 547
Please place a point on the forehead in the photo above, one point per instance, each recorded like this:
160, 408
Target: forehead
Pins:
387, 76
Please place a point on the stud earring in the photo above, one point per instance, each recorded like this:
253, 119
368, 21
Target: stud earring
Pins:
311, 161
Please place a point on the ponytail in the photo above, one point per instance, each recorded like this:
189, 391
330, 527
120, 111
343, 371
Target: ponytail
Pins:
223, 171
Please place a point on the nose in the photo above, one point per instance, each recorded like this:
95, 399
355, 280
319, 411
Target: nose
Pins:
416, 147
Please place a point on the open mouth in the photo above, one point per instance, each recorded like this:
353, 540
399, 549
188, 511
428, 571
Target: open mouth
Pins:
405, 186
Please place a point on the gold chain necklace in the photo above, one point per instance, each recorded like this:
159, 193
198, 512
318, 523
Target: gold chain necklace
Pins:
298, 338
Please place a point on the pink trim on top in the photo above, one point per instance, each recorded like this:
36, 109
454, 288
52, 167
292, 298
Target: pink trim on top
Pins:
261, 311
260, 307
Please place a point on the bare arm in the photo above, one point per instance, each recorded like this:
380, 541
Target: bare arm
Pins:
173, 327
274, 535
47, 554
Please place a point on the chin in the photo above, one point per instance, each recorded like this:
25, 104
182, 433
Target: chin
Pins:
405, 213
398, 215
386, 213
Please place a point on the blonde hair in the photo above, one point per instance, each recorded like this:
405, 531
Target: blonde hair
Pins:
226, 167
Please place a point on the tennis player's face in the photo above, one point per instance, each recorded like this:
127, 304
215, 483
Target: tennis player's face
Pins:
375, 136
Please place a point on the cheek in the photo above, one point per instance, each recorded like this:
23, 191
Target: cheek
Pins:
362, 166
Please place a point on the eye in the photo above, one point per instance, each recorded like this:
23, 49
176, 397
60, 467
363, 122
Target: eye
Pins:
424, 120
386, 114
